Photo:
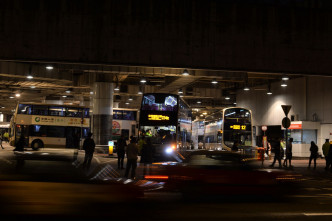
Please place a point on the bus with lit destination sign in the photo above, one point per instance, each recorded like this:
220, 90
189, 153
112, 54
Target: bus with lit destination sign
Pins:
166, 119
229, 127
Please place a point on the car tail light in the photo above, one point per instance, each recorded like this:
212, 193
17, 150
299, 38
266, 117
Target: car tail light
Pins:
156, 177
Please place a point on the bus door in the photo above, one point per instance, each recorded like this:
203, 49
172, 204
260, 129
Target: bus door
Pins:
71, 132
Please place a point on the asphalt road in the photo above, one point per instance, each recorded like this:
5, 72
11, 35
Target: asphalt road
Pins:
50, 185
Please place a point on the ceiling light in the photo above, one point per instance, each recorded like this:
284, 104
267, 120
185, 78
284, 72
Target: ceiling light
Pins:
130, 99
2, 107
180, 91
32, 87
246, 88
127, 103
68, 91
269, 93
181, 95
140, 92
11, 97
91, 92
283, 84
185, 72
214, 81
227, 98
17, 95
117, 88
49, 67
198, 102
234, 103
30, 77
285, 78
201, 115
64, 95
205, 113
143, 80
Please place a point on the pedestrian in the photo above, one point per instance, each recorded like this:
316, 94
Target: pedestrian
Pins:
19, 146
141, 142
89, 148
313, 154
132, 153
329, 158
289, 153
275, 144
325, 148
121, 144
6, 136
1, 141
147, 155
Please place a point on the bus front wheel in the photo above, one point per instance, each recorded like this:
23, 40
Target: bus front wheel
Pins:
36, 144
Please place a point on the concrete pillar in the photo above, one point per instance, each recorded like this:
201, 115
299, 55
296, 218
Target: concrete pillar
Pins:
102, 112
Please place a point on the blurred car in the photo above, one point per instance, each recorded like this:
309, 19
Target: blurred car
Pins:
214, 173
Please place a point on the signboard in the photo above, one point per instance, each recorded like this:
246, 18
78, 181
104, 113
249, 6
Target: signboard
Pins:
295, 126
264, 128
238, 127
286, 122
157, 117
59, 121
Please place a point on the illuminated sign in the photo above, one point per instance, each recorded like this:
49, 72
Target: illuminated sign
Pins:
157, 117
238, 127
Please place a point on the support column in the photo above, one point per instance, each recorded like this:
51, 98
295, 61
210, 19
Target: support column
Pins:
102, 112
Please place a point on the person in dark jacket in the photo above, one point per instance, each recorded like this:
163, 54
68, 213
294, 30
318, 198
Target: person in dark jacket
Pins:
329, 159
275, 144
89, 148
132, 153
147, 154
19, 146
121, 144
289, 153
313, 154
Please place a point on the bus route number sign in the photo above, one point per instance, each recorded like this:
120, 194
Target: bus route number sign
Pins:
157, 117
238, 127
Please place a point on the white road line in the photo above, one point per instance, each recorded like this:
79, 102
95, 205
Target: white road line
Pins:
317, 214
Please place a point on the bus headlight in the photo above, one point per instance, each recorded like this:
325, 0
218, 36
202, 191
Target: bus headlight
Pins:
169, 150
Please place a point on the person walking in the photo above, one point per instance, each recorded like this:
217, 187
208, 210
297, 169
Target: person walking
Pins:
1, 141
313, 154
89, 148
289, 153
325, 148
132, 153
121, 143
147, 155
276, 147
329, 159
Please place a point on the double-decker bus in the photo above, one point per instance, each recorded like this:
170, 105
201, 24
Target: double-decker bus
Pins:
124, 123
166, 119
49, 125
230, 126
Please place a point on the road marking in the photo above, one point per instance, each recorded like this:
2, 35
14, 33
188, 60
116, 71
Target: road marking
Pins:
317, 214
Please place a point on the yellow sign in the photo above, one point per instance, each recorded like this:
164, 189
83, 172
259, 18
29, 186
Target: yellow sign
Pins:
238, 127
157, 117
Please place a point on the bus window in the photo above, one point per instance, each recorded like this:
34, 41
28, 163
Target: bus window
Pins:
55, 131
38, 131
72, 112
56, 111
24, 109
39, 110
86, 112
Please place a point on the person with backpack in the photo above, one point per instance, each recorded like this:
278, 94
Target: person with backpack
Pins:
313, 154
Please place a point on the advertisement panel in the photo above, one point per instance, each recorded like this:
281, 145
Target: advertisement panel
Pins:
59, 121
